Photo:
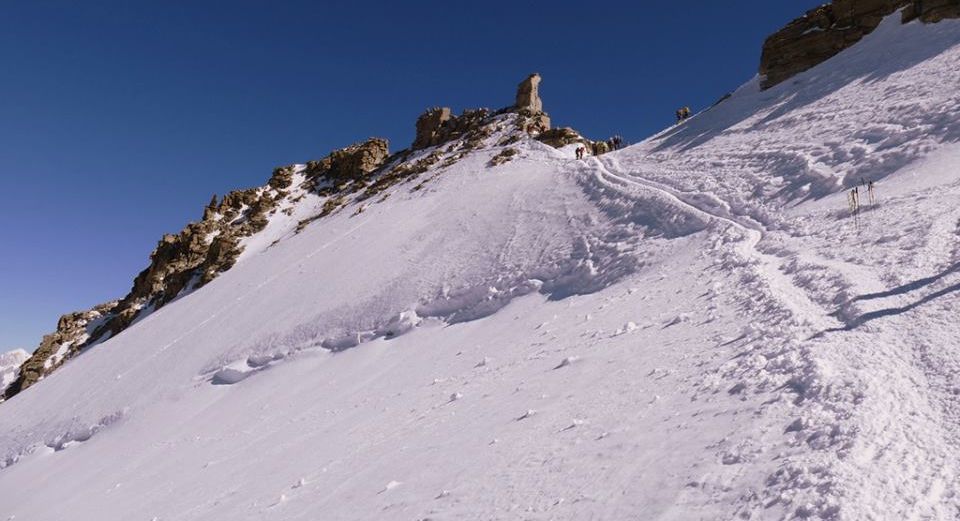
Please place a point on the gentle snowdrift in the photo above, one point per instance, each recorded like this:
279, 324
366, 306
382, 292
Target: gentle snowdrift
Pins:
691, 328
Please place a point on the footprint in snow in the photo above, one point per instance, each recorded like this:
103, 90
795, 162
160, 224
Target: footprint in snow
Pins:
526, 415
627, 328
390, 486
238, 372
682, 317
229, 376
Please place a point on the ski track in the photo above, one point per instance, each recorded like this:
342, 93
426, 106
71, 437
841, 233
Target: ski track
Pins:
929, 473
769, 266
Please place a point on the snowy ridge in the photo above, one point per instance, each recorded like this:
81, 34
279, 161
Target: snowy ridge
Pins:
694, 327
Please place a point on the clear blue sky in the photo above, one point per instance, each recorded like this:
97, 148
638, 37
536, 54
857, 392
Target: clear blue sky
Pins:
119, 119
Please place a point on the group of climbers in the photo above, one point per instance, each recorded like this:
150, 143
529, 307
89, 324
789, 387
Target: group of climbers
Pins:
616, 142
599, 147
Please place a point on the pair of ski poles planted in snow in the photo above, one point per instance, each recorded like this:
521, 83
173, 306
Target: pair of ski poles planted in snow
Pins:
853, 198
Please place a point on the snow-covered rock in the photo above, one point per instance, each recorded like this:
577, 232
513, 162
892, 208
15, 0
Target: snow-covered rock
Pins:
10, 363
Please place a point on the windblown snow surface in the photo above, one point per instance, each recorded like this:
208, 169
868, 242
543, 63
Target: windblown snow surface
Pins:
694, 327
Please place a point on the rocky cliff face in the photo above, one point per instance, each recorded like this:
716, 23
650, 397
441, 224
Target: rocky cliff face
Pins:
187, 260
825, 31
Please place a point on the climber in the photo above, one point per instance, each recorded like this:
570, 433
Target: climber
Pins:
580, 151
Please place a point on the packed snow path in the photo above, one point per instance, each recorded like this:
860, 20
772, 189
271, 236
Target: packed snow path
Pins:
709, 206
883, 400
926, 467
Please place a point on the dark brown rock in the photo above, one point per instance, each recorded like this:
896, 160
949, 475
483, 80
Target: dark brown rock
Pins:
933, 11
505, 155
561, 137
437, 127
351, 163
429, 126
72, 334
530, 106
826, 30
282, 178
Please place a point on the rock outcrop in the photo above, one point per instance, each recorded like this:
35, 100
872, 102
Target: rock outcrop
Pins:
530, 105
825, 31
437, 126
931, 11
356, 161
72, 334
429, 126
561, 136
528, 94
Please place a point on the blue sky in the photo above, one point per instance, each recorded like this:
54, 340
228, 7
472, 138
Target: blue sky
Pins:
119, 119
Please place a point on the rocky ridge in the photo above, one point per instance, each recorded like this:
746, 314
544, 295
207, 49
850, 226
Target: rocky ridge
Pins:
830, 28
187, 260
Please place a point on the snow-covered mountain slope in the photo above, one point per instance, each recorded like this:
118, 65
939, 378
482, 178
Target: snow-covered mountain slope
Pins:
695, 327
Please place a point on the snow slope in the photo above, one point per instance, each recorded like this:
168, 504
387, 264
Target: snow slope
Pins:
694, 327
